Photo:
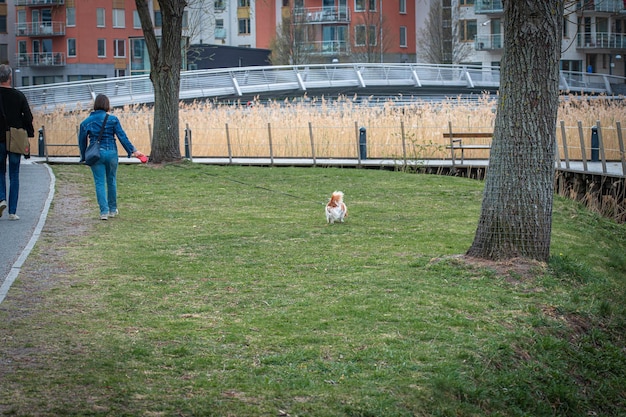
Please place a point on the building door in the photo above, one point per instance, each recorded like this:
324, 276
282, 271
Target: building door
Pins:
496, 33
35, 19
36, 51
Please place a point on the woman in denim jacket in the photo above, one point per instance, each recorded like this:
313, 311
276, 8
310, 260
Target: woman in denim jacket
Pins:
105, 170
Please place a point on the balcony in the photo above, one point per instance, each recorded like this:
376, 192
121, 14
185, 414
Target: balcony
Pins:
42, 59
605, 6
39, 2
488, 42
488, 7
40, 29
601, 40
220, 33
329, 14
326, 47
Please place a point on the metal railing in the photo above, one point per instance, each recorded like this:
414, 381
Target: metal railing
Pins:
39, 2
44, 59
40, 29
326, 14
232, 83
601, 40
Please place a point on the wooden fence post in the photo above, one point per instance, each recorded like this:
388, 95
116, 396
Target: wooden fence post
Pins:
269, 135
620, 139
356, 134
230, 153
564, 140
602, 155
583, 152
312, 144
403, 142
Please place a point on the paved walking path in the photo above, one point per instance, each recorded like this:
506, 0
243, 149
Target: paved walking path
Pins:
17, 238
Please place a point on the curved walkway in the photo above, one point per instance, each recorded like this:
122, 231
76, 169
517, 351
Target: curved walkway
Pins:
19, 237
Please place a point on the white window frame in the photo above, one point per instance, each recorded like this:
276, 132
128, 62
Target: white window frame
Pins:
136, 20
118, 18
403, 37
402, 4
117, 45
102, 42
70, 16
69, 48
372, 29
100, 17
248, 26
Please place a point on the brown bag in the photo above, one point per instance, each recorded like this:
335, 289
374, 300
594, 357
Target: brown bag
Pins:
17, 141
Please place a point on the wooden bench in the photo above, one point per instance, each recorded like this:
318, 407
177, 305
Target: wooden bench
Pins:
456, 142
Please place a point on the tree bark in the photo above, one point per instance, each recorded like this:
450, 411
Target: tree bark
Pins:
516, 215
165, 66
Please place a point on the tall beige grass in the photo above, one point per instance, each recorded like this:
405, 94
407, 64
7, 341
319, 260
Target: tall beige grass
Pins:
329, 128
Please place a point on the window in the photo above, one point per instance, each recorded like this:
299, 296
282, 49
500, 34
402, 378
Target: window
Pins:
119, 48
219, 5
364, 5
22, 26
243, 3
71, 47
466, 2
364, 36
403, 36
47, 79
402, 4
4, 52
158, 18
244, 26
120, 73
70, 16
100, 18
467, 30
102, 50
3, 24
119, 17
185, 20
220, 32
136, 20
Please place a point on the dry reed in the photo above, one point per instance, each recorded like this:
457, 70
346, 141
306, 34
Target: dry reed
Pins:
395, 128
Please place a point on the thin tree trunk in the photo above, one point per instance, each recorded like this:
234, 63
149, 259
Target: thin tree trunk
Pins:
516, 215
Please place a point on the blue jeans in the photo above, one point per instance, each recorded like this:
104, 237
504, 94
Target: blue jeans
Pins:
14, 176
105, 179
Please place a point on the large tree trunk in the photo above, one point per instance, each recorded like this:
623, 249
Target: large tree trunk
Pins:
165, 66
516, 216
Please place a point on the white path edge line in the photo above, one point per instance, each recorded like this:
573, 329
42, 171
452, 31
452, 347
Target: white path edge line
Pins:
17, 266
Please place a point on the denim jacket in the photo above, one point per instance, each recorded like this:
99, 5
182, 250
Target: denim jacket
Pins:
90, 128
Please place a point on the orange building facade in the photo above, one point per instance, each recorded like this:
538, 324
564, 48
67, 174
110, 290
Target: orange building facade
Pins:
71, 40
344, 30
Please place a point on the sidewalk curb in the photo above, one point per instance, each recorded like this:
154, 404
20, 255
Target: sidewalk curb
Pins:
17, 266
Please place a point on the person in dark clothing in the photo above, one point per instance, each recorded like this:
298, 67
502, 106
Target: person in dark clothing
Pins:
16, 114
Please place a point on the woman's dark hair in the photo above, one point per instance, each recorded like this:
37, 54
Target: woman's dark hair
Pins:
101, 103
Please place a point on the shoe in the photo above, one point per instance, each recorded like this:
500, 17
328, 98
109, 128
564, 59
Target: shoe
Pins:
104, 217
14, 217
114, 213
3, 205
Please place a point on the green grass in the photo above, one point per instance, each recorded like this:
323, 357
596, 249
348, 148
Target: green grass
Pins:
221, 291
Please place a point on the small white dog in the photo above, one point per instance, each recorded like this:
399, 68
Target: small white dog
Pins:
336, 209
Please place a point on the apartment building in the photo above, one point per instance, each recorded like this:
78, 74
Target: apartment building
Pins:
65, 40
71, 40
594, 34
344, 30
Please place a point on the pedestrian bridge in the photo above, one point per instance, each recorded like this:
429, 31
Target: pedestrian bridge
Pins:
247, 83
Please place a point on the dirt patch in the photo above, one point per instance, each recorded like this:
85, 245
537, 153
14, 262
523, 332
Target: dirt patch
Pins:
45, 268
513, 270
